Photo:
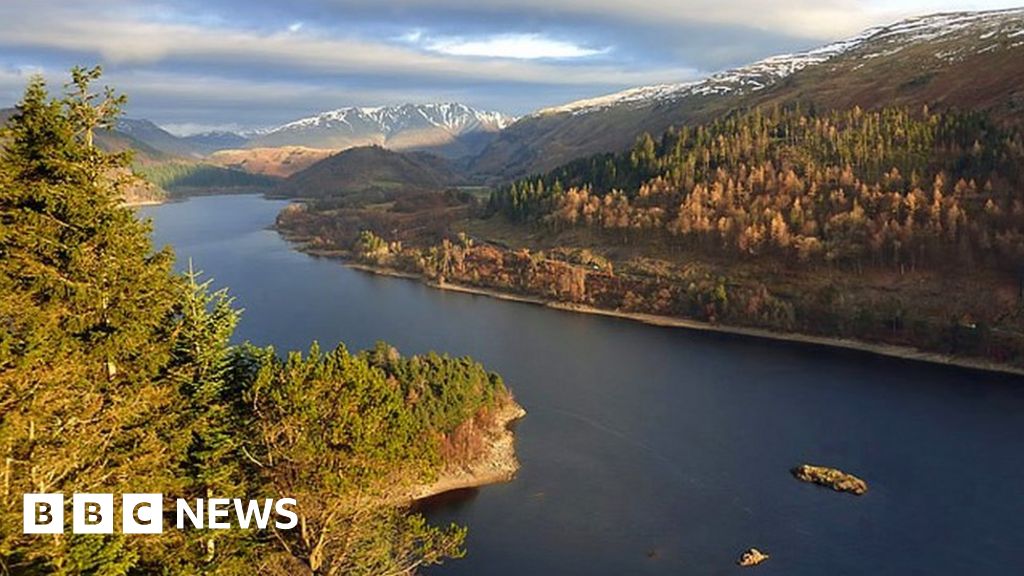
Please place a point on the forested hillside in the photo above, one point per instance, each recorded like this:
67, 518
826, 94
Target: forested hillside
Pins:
190, 177
964, 60
900, 225
118, 376
370, 172
894, 187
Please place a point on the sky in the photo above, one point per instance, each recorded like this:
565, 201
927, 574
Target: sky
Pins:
196, 65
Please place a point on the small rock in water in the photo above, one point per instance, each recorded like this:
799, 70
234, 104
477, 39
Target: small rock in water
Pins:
835, 479
752, 557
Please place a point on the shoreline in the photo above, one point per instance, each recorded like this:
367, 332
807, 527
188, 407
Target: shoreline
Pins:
497, 465
186, 196
140, 203
887, 350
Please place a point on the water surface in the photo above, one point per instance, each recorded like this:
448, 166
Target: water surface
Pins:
654, 450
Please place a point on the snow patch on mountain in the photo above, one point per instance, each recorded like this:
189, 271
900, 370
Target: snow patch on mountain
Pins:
957, 33
998, 26
452, 117
741, 80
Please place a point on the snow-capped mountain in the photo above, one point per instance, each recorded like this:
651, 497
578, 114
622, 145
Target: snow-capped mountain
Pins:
988, 30
960, 34
748, 78
972, 60
452, 128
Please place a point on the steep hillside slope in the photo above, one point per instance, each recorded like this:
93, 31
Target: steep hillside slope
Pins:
967, 60
155, 137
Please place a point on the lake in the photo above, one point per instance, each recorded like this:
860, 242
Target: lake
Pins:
652, 450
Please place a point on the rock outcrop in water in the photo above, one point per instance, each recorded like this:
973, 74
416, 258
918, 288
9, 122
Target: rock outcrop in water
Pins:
830, 477
752, 557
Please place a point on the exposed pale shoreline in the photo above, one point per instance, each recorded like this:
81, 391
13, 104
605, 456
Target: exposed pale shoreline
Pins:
890, 350
140, 203
497, 465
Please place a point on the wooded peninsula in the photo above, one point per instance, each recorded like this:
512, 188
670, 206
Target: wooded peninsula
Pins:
118, 375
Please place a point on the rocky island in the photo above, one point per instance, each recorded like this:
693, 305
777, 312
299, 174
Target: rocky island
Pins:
752, 557
830, 477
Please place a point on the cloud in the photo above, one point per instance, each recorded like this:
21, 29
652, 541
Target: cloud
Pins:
820, 20
131, 41
515, 46
212, 62
412, 37
813, 19
190, 128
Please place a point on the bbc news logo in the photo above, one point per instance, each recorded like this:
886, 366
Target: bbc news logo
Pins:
144, 513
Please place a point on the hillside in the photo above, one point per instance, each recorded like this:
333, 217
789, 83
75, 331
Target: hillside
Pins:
281, 162
137, 189
943, 60
112, 141
193, 146
882, 226
447, 129
155, 137
157, 173
185, 178
371, 171
965, 61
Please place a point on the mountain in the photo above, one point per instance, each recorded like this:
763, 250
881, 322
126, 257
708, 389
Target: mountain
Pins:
371, 173
193, 146
966, 60
448, 129
154, 136
208, 143
943, 60
149, 142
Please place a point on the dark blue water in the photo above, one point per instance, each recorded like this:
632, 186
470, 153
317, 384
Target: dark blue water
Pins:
663, 451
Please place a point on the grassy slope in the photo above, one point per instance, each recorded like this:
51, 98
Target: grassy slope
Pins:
278, 162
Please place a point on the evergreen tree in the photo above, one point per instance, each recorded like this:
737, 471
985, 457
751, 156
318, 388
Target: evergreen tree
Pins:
85, 314
119, 376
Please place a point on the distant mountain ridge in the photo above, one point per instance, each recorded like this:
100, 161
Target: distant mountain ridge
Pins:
155, 137
449, 129
964, 59
207, 143
970, 60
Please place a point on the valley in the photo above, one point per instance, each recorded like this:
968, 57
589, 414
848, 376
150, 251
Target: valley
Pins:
647, 231
505, 289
